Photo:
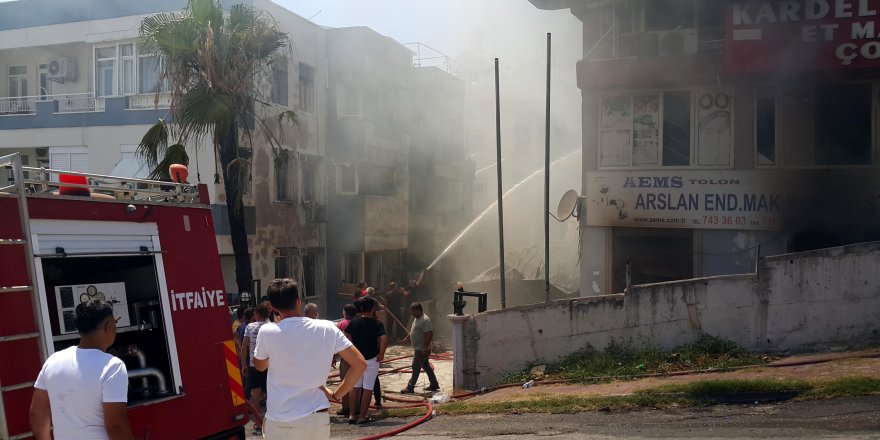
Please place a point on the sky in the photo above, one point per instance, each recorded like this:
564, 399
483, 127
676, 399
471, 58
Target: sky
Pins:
509, 27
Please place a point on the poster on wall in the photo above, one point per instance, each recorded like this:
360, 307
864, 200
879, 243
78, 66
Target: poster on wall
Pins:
615, 131
68, 297
795, 35
646, 129
713, 127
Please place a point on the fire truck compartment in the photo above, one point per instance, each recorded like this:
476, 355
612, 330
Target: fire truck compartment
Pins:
130, 283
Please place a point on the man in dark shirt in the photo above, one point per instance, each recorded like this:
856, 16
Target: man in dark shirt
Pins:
368, 336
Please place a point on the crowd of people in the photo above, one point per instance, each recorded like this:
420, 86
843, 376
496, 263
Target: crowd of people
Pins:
285, 352
368, 324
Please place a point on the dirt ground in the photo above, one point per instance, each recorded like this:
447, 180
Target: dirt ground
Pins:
824, 365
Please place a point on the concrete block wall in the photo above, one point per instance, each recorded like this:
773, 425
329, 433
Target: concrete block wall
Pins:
816, 300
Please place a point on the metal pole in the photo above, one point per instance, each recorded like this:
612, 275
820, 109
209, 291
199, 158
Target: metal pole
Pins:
503, 268
547, 184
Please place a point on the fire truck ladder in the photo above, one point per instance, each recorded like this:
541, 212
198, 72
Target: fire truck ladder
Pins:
14, 161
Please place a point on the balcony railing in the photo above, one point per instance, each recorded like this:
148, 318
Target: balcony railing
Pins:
78, 102
67, 103
18, 105
137, 102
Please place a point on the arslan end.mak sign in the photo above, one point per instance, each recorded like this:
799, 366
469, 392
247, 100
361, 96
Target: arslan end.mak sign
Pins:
741, 200
794, 35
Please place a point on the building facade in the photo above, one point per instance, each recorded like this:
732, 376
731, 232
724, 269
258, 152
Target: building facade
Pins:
716, 132
330, 204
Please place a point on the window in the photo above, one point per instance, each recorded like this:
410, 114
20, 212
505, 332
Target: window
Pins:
346, 179
348, 102
150, 74
645, 129
306, 88
282, 266
45, 82
105, 70
843, 124
127, 69
312, 273
69, 159
661, 15
18, 81
309, 184
765, 125
378, 180
352, 267
279, 81
121, 70
808, 125
676, 128
283, 180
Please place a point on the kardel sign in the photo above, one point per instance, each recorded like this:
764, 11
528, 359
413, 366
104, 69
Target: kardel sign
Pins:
794, 35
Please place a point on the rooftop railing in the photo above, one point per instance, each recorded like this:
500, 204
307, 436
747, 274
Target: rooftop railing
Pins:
99, 186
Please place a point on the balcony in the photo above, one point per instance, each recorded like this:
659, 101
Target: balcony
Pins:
68, 103
80, 109
150, 101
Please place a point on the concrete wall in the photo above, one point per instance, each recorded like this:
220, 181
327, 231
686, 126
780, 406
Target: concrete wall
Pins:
822, 299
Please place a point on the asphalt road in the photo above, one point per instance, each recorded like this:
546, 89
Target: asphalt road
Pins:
846, 418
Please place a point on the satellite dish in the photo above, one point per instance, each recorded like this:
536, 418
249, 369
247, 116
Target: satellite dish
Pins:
567, 205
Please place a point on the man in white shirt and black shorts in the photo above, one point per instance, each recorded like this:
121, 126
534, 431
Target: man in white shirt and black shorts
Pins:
368, 336
82, 392
299, 350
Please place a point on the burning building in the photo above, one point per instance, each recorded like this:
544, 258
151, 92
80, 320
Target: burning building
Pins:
716, 132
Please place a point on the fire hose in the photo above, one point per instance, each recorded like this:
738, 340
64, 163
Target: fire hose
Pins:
412, 403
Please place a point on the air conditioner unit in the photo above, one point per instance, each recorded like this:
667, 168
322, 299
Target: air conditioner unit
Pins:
677, 42
61, 69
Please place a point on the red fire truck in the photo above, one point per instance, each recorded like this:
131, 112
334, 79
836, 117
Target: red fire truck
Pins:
149, 248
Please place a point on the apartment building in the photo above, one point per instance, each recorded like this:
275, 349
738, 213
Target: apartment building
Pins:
715, 132
330, 207
79, 94
368, 149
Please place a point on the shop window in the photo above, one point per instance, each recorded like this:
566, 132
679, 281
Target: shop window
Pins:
843, 124
676, 128
638, 248
810, 125
661, 129
714, 128
765, 126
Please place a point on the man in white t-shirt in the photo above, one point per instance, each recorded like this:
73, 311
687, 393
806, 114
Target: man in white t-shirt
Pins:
82, 392
299, 351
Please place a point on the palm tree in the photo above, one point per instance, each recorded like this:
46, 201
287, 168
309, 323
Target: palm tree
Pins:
215, 63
